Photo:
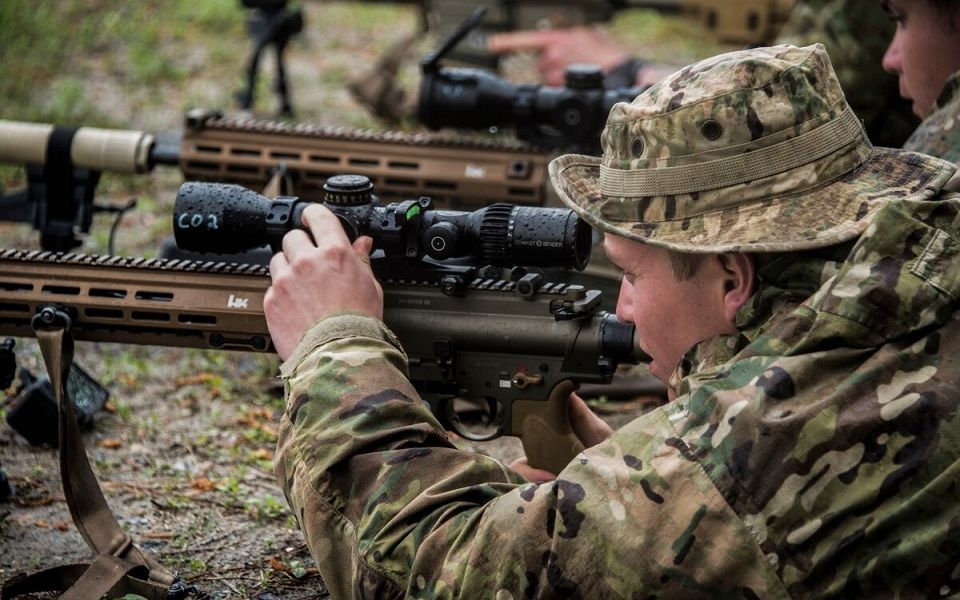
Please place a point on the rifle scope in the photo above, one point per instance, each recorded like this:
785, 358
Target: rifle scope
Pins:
568, 118
225, 218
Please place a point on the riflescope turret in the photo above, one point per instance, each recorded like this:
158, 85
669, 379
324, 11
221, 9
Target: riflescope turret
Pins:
224, 218
568, 118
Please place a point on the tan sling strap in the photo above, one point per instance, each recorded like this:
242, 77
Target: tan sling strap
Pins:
120, 566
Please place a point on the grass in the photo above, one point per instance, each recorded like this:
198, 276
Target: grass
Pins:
150, 45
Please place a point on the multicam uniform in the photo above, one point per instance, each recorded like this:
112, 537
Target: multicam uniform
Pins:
939, 134
814, 454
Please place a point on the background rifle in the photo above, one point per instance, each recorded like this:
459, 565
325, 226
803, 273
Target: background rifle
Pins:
521, 345
64, 165
733, 21
568, 118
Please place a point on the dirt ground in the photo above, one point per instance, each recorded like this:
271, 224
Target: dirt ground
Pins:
184, 448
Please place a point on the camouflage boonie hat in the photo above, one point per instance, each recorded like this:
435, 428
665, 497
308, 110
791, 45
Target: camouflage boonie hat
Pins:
753, 151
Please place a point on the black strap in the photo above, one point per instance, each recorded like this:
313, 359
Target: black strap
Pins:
58, 174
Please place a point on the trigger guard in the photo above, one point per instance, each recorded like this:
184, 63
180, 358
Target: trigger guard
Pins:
451, 417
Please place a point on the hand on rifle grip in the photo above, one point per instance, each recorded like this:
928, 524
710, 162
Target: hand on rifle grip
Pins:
549, 447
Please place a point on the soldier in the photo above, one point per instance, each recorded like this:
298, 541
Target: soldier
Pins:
925, 54
796, 288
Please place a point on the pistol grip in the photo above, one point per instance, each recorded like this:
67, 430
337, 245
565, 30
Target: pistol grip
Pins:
544, 428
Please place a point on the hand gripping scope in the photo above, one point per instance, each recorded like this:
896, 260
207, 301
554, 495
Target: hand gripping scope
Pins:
225, 218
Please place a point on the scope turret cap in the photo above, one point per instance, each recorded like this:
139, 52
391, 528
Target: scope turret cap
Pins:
753, 151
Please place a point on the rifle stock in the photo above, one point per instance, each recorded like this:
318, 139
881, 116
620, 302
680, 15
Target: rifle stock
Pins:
522, 352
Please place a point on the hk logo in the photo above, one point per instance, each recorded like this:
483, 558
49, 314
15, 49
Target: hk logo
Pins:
234, 302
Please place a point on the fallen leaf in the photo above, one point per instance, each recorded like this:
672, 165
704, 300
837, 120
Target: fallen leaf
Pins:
203, 484
110, 443
262, 454
277, 565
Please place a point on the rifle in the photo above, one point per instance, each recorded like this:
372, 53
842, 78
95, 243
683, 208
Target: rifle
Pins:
568, 118
521, 344
733, 21
64, 165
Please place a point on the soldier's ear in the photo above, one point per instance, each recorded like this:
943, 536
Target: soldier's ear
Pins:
740, 274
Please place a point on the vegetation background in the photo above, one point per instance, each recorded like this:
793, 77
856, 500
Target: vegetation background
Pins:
184, 452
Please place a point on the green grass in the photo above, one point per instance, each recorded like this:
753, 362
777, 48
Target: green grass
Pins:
52, 50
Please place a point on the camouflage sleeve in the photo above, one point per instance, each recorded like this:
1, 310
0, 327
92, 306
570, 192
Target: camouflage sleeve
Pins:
390, 508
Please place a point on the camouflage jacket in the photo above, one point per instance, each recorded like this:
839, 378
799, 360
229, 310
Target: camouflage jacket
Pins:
939, 134
816, 454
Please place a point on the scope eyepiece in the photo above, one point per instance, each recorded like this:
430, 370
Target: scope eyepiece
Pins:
226, 218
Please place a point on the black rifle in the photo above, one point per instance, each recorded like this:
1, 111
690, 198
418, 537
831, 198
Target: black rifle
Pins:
478, 326
566, 118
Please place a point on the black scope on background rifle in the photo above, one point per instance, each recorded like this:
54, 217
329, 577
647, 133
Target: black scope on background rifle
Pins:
226, 218
568, 118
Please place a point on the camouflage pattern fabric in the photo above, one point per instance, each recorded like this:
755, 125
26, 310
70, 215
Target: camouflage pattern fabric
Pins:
819, 186
816, 454
939, 134
856, 33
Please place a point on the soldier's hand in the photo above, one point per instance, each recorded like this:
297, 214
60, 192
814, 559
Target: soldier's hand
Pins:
316, 275
559, 48
587, 426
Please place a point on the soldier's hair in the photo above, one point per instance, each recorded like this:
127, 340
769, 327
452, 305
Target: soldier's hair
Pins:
947, 8
685, 265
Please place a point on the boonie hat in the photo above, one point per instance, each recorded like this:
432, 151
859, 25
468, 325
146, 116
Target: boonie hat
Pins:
752, 151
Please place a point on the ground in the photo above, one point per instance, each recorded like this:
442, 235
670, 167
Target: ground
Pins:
184, 448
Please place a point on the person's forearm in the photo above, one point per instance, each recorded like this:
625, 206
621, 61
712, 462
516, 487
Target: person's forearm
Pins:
358, 451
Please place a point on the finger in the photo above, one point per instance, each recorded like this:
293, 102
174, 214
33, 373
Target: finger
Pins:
278, 265
295, 243
552, 71
519, 41
587, 426
323, 225
523, 468
363, 245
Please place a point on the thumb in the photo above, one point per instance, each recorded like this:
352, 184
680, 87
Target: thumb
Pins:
531, 474
363, 246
